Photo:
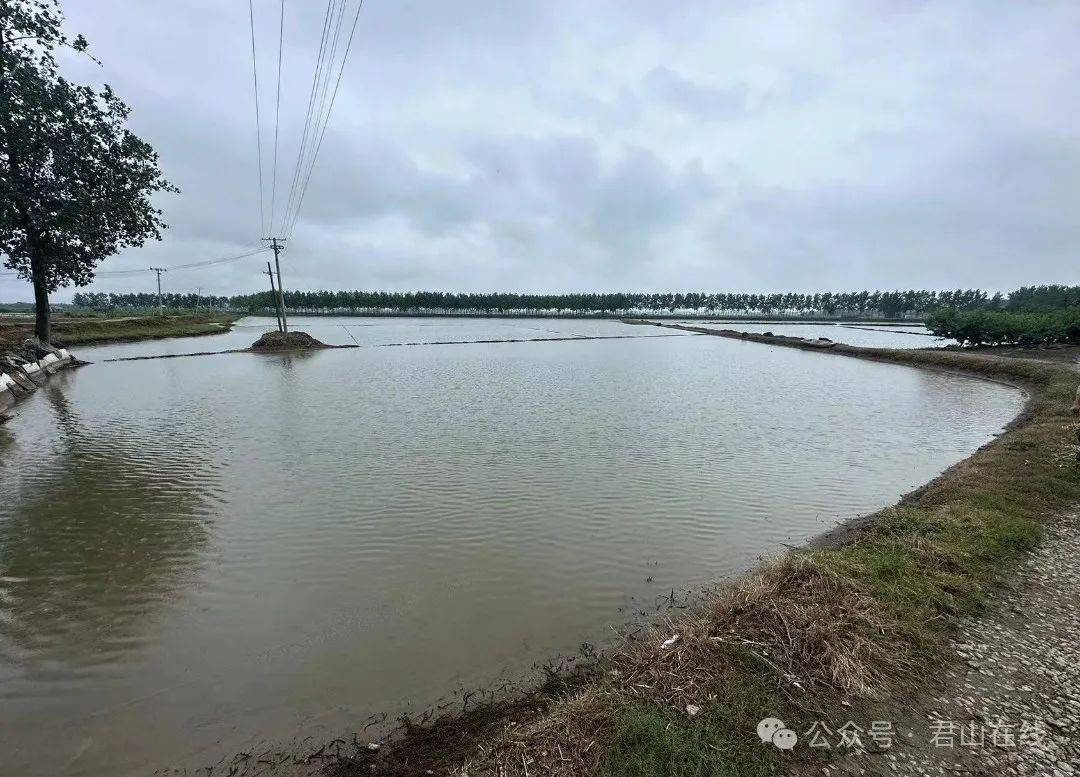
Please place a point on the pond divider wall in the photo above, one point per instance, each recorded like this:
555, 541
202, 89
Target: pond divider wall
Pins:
20, 376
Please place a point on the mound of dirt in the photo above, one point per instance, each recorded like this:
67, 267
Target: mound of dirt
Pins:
275, 341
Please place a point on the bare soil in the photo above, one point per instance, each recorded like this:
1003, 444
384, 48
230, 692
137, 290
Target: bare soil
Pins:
278, 341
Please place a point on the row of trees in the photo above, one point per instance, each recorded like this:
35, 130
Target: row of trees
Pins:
1043, 298
883, 304
890, 304
143, 300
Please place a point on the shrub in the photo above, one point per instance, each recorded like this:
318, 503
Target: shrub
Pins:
1002, 327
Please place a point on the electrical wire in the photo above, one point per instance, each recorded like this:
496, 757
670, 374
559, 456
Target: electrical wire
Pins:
187, 266
277, 114
322, 134
258, 120
320, 63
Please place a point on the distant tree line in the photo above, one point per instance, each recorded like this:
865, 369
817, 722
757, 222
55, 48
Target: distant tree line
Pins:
143, 300
1043, 298
941, 309
882, 304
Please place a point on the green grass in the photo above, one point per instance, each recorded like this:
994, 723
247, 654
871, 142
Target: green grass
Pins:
70, 332
718, 742
923, 565
649, 741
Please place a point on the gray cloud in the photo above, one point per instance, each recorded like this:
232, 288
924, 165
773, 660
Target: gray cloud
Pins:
596, 146
680, 93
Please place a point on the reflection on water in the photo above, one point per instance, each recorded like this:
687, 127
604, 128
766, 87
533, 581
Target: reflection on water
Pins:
99, 528
196, 554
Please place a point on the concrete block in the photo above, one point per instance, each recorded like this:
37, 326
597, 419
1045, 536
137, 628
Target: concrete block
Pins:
24, 383
34, 372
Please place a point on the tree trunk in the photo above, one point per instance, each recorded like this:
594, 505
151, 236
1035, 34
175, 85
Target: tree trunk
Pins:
41, 310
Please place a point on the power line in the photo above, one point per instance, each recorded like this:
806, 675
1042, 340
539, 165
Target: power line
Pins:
258, 120
219, 260
326, 104
316, 79
277, 113
187, 266
322, 133
320, 90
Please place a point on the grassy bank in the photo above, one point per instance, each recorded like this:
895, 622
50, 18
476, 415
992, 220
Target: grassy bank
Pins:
84, 330
864, 614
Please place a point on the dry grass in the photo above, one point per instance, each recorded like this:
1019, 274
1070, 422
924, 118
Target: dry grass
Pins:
819, 628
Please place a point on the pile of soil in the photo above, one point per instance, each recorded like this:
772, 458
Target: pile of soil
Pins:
272, 341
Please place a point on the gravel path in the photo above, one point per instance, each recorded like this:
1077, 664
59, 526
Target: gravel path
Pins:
1010, 702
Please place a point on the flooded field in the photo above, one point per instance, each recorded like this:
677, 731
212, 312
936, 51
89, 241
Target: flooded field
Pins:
199, 555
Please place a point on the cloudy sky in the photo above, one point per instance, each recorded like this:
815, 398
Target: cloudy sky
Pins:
569, 145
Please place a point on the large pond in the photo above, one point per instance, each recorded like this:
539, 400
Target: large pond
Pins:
198, 555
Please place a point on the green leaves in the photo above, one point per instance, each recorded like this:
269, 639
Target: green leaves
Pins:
1002, 327
75, 183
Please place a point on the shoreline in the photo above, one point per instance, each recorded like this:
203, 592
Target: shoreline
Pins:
600, 721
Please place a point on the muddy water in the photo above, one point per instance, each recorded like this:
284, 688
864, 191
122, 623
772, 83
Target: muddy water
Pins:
198, 555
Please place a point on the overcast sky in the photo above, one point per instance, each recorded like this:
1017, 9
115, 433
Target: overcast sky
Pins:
572, 145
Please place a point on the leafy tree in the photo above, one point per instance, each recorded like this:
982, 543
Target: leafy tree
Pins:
989, 326
75, 183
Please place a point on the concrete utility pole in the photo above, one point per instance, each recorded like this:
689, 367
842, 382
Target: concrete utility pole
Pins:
198, 295
279, 245
159, 271
273, 295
